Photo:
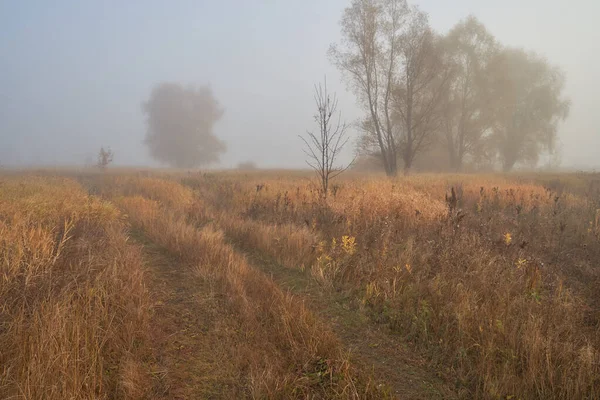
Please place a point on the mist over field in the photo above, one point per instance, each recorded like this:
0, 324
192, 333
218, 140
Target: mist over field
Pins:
74, 74
319, 199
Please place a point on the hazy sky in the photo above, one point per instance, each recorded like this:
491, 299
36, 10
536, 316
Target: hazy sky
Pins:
74, 73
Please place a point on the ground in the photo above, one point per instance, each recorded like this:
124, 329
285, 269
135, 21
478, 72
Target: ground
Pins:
253, 285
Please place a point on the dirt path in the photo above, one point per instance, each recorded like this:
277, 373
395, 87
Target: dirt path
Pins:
190, 341
192, 344
371, 346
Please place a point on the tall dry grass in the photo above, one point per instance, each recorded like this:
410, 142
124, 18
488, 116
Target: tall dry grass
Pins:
285, 350
74, 308
497, 287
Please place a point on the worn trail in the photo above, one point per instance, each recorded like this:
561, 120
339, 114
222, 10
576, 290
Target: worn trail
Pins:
370, 345
189, 339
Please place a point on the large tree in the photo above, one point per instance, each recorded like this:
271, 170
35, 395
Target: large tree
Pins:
369, 55
466, 116
180, 125
420, 87
528, 106
390, 57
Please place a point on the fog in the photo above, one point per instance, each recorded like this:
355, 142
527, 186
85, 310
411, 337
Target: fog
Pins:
73, 74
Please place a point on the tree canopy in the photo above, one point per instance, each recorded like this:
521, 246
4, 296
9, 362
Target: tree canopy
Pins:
463, 91
180, 122
528, 105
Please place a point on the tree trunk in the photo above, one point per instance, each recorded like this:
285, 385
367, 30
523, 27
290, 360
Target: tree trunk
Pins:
508, 164
456, 161
394, 164
389, 169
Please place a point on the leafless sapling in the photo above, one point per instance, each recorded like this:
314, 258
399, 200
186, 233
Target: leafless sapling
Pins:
324, 147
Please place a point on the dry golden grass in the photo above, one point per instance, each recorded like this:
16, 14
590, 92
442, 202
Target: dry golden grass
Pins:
287, 351
74, 308
497, 288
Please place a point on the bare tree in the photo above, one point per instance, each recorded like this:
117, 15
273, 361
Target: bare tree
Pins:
324, 147
369, 55
391, 57
105, 157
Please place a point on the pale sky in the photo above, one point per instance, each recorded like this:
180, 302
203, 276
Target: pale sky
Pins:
74, 73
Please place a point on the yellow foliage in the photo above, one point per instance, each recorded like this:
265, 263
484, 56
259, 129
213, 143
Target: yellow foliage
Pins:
349, 244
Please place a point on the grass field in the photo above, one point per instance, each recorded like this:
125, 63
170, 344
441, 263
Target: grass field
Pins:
176, 285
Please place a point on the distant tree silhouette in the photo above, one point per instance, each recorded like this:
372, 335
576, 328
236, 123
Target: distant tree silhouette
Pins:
469, 49
180, 123
528, 105
105, 157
